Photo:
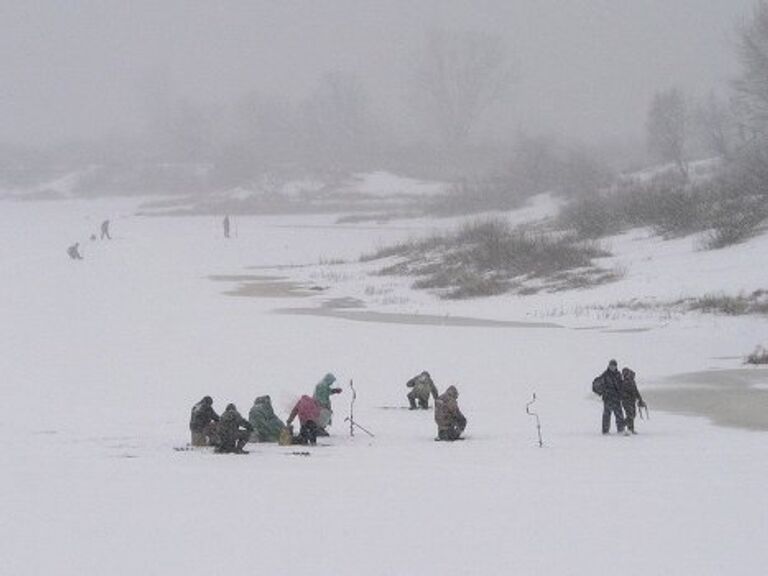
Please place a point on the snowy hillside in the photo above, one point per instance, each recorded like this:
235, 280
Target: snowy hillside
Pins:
374, 192
102, 360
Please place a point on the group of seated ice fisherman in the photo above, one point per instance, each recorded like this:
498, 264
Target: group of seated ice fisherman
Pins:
230, 432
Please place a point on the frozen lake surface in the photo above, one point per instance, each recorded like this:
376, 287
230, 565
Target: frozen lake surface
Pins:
102, 360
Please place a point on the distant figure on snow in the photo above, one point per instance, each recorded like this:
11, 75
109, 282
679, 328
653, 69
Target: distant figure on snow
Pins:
448, 417
234, 431
609, 386
105, 230
226, 226
74, 251
308, 411
629, 396
266, 425
422, 387
203, 423
323, 392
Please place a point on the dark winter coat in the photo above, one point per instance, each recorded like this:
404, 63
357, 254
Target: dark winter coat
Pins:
447, 413
609, 386
423, 386
229, 426
74, 252
202, 415
629, 392
267, 426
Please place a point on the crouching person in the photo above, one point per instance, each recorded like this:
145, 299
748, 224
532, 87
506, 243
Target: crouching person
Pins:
234, 431
74, 251
308, 410
203, 423
422, 387
266, 425
450, 421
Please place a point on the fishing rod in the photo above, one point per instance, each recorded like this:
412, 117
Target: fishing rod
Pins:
535, 415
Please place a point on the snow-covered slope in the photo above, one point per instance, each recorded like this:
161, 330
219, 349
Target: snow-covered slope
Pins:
102, 359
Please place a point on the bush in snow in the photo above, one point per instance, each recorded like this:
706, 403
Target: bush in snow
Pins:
754, 303
758, 357
490, 257
729, 208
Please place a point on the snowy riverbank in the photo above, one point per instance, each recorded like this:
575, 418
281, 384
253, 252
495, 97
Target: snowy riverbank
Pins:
102, 360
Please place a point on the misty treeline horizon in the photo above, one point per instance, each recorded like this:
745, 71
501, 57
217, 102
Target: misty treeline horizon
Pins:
450, 119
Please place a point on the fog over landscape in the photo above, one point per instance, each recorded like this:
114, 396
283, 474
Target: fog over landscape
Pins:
582, 69
383, 288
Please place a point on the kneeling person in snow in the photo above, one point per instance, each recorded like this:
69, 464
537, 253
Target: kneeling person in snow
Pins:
608, 386
202, 422
74, 251
266, 425
234, 431
323, 392
629, 396
422, 388
450, 421
308, 410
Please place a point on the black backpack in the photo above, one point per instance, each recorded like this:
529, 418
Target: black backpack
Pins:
598, 386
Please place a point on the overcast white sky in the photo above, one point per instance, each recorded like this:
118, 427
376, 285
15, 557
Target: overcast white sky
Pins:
585, 68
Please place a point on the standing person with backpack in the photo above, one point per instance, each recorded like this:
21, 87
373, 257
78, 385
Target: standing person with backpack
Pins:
629, 396
609, 386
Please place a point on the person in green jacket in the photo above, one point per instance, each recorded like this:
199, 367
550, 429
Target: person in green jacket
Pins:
323, 392
266, 425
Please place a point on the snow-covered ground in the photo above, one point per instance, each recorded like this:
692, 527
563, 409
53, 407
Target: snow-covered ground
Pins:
387, 185
102, 360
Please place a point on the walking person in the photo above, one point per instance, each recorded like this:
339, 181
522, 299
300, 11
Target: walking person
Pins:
226, 226
630, 397
105, 230
608, 386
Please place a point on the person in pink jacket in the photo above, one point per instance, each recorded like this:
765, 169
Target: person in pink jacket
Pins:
308, 411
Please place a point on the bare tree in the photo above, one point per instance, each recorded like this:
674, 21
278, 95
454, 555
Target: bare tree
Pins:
336, 115
752, 86
182, 131
715, 126
257, 135
667, 128
458, 77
